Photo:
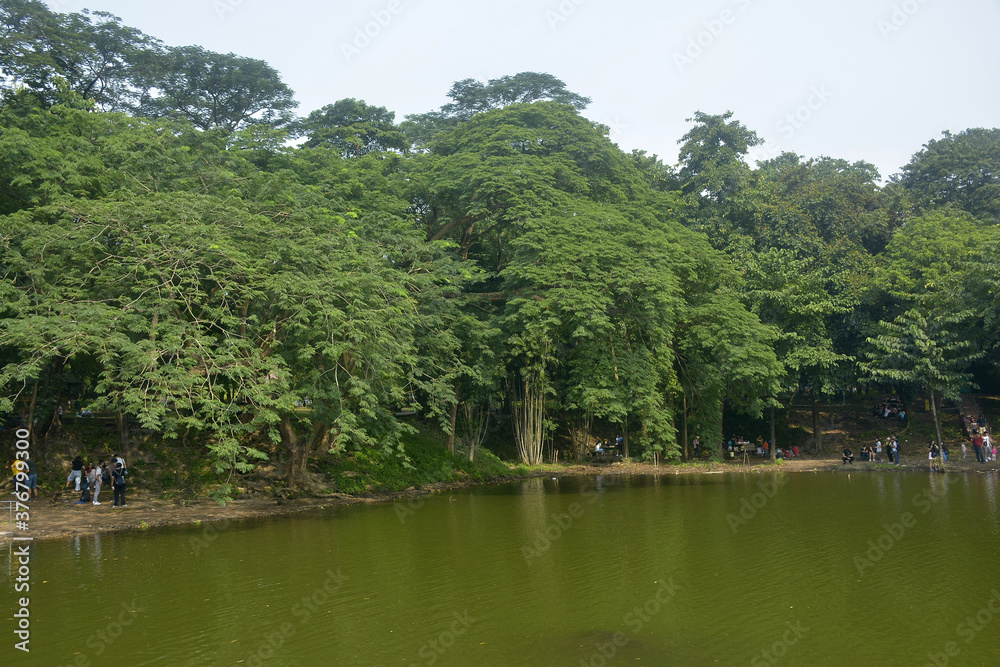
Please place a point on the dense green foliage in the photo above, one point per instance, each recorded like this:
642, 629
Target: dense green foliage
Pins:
182, 265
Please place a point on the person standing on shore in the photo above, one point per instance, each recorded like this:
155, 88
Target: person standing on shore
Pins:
32, 479
99, 477
965, 451
118, 484
76, 473
90, 480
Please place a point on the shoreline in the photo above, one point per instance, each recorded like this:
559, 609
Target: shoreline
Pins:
59, 516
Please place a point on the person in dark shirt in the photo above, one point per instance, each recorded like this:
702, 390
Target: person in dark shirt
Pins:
76, 474
118, 484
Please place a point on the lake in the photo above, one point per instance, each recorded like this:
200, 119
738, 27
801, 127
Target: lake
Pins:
710, 569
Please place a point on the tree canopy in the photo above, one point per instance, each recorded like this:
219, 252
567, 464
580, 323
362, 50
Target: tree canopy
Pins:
170, 256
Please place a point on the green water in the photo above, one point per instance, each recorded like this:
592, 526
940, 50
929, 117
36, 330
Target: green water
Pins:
648, 570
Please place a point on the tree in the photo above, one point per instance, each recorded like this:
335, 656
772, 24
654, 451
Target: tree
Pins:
93, 52
353, 128
824, 200
793, 295
470, 97
934, 259
925, 349
483, 181
214, 90
714, 178
725, 353
962, 170
592, 305
711, 156
209, 297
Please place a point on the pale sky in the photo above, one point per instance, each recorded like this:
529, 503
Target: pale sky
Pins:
856, 79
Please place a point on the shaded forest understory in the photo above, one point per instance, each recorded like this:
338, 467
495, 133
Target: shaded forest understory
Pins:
174, 471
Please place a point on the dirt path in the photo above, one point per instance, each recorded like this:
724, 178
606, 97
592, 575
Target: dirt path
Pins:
59, 516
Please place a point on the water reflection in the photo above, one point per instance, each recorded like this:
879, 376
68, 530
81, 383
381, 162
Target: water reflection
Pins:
598, 547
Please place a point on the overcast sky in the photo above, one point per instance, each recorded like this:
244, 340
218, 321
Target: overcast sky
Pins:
857, 79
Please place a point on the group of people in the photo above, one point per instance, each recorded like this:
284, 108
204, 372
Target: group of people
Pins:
874, 452
982, 442
602, 447
90, 478
936, 453
889, 407
760, 447
986, 449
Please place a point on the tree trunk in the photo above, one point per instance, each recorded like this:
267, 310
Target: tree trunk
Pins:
53, 430
937, 424
55, 425
295, 470
774, 440
477, 419
475, 435
31, 415
580, 436
722, 428
684, 425
300, 450
453, 420
817, 427
121, 421
625, 438
528, 411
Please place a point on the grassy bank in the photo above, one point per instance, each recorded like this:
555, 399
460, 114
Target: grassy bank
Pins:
373, 472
